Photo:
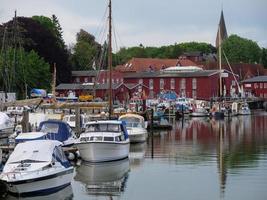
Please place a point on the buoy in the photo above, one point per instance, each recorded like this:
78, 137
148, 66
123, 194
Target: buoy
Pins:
71, 156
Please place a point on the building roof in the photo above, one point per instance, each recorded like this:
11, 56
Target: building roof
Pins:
84, 73
200, 73
244, 70
256, 79
152, 64
68, 86
83, 86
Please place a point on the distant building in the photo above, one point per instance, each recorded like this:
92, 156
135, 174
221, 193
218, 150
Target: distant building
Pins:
198, 84
147, 78
152, 64
256, 86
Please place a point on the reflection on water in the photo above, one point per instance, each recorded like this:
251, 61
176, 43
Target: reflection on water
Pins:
64, 194
200, 158
137, 154
235, 145
105, 179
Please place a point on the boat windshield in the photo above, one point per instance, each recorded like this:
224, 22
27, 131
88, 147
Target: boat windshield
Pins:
72, 119
103, 128
49, 128
132, 122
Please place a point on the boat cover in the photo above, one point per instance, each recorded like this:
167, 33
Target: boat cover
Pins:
37, 150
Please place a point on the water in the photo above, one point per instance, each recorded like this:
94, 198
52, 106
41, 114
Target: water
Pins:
198, 159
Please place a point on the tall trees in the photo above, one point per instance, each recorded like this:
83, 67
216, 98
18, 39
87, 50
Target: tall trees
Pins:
41, 40
45, 41
31, 71
264, 57
239, 49
85, 52
171, 51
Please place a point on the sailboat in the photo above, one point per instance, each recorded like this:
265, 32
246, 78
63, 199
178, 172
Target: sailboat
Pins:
105, 140
218, 109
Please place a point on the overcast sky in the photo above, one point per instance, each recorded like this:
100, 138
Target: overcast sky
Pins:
150, 22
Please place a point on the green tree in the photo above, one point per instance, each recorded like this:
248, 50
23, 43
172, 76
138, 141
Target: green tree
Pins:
32, 71
52, 24
197, 46
171, 51
264, 57
58, 30
239, 49
85, 51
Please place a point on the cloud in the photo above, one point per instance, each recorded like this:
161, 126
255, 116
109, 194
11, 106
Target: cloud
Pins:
152, 23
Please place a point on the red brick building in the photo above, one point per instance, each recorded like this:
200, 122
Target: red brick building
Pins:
148, 77
202, 84
256, 86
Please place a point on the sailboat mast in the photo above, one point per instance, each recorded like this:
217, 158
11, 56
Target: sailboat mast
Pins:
220, 62
53, 86
110, 60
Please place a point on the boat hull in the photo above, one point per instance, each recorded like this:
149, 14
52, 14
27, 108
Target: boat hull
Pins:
41, 185
103, 151
6, 132
199, 114
137, 135
244, 112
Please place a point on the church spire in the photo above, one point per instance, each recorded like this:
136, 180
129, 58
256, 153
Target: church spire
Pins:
222, 30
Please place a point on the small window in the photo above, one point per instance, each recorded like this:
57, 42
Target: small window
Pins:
151, 84
108, 139
161, 84
96, 138
122, 138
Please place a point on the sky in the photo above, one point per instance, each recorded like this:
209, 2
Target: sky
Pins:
150, 22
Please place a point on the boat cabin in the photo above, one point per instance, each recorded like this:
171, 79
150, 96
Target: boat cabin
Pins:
105, 131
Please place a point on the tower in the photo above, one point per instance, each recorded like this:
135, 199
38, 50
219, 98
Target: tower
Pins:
222, 31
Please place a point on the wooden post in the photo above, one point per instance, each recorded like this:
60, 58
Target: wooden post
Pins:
151, 132
77, 121
25, 122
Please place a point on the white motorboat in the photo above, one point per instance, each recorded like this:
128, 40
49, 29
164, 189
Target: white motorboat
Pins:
136, 127
199, 111
37, 168
107, 179
50, 130
6, 125
244, 109
104, 141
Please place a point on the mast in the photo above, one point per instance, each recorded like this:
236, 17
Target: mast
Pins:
110, 60
53, 86
220, 63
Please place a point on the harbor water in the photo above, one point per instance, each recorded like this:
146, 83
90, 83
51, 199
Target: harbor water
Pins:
199, 159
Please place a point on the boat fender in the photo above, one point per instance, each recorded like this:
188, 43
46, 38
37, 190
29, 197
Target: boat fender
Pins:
71, 156
77, 154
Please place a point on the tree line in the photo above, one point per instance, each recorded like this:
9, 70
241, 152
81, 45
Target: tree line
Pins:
30, 47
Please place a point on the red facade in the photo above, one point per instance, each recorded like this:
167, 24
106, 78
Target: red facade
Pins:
257, 89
